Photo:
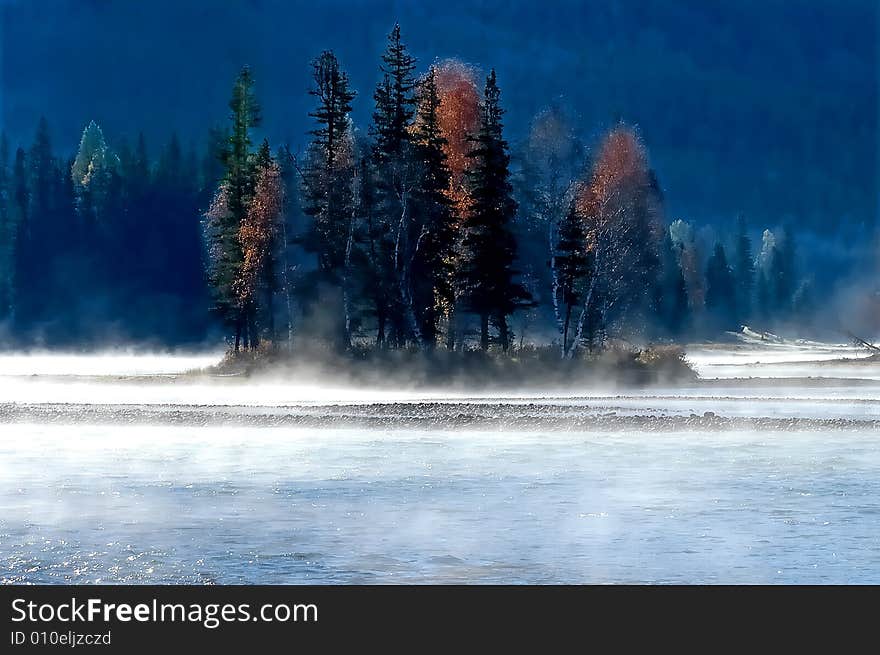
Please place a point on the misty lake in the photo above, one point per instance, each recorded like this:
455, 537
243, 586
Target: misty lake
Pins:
112, 470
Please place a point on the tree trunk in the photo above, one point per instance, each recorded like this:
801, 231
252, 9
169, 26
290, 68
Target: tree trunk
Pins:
450, 335
503, 333
286, 282
484, 331
555, 276
380, 335
252, 328
587, 304
237, 334
565, 325
346, 320
345, 284
428, 330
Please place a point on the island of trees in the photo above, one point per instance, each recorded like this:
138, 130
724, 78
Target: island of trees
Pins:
421, 231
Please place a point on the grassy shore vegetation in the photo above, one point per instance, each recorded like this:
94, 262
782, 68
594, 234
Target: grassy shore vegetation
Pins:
473, 369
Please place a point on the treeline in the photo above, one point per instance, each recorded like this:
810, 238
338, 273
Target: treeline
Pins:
421, 231
105, 246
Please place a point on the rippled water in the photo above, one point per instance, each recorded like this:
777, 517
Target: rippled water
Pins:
119, 500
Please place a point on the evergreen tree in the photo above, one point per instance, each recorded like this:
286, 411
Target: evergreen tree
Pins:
487, 277
4, 172
434, 244
256, 284
286, 241
395, 177
173, 242
688, 257
743, 270
784, 273
140, 170
42, 171
650, 235
571, 264
395, 98
169, 172
17, 223
7, 234
374, 256
327, 189
212, 165
674, 310
36, 235
803, 303
191, 168
765, 266
762, 297
20, 201
721, 290
230, 207
92, 172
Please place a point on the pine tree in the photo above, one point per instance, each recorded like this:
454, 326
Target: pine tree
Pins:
18, 215
42, 168
571, 264
396, 177
140, 170
688, 257
373, 265
744, 271
230, 206
785, 275
721, 290
434, 244
395, 97
762, 297
327, 188
92, 172
487, 276
36, 233
765, 266
212, 165
20, 200
172, 242
287, 241
674, 310
169, 172
256, 285
7, 234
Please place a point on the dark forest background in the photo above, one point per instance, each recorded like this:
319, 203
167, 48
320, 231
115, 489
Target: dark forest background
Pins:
756, 115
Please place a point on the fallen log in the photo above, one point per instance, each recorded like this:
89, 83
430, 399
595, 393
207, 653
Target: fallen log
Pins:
861, 342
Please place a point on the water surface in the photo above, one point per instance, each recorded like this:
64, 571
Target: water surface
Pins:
630, 487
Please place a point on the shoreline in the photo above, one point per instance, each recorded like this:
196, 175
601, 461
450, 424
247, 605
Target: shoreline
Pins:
415, 415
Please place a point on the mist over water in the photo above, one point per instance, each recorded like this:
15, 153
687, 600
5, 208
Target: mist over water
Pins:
783, 360
118, 472
118, 363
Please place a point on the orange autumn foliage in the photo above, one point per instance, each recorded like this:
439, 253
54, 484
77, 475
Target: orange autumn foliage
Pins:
257, 231
459, 118
620, 174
